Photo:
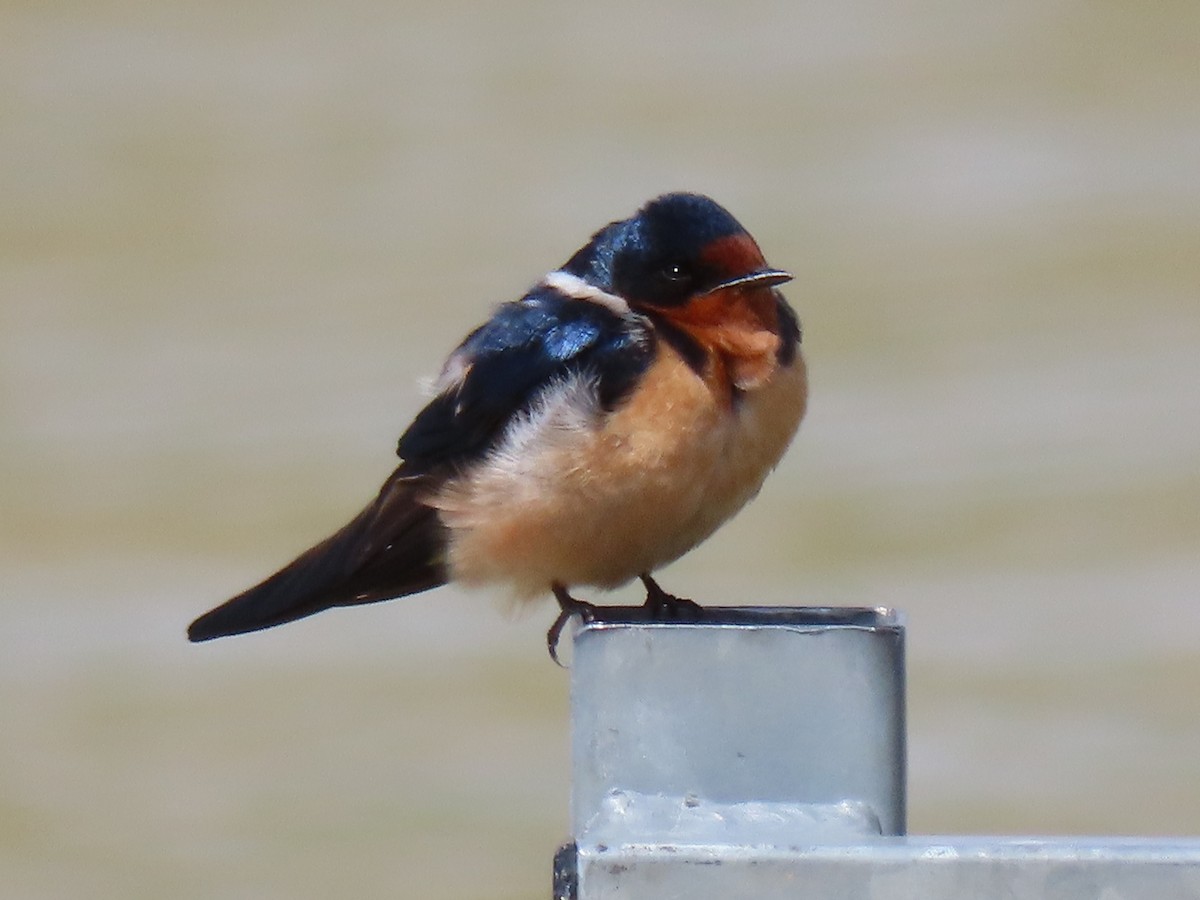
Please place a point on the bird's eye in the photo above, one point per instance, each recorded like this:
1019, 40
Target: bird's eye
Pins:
676, 271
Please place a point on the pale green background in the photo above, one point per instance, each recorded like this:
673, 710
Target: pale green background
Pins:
233, 236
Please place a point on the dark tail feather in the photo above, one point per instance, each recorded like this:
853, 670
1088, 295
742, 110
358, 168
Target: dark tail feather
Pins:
392, 548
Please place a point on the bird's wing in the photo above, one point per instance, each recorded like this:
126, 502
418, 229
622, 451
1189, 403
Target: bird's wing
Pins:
501, 368
390, 549
396, 545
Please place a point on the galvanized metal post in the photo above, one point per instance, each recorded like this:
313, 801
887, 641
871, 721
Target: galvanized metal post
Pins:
761, 753
749, 727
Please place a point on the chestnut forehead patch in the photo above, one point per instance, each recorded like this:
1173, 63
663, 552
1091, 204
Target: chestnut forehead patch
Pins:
735, 254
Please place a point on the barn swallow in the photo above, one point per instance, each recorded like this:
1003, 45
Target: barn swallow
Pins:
588, 433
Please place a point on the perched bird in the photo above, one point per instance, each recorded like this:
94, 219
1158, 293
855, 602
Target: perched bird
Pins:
586, 434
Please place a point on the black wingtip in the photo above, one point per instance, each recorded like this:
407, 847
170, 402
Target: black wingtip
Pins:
300, 589
392, 548
200, 631
219, 622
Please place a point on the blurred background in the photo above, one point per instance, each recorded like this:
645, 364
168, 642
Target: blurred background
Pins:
234, 236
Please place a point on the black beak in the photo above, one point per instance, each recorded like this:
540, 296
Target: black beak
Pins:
761, 278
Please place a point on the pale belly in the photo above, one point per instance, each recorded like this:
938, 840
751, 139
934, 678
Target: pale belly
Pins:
577, 497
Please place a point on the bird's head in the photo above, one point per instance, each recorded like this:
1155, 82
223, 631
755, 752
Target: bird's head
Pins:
675, 248
686, 263
682, 247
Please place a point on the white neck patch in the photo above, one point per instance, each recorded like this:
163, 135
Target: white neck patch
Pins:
577, 289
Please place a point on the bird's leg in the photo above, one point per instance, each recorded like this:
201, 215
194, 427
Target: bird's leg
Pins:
664, 607
568, 606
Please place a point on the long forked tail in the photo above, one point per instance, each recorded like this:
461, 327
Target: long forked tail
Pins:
392, 548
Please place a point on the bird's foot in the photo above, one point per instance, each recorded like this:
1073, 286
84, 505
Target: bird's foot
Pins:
568, 606
664, 607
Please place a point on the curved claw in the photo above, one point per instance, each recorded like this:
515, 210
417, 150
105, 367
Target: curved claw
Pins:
568, 606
